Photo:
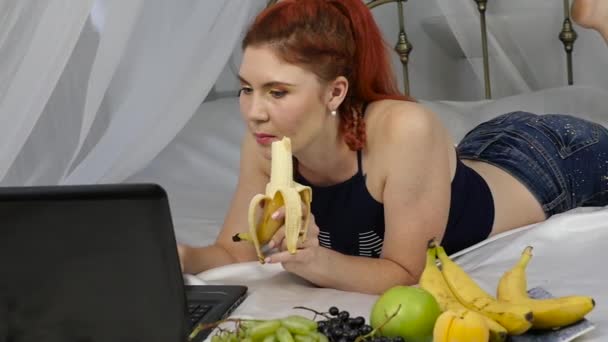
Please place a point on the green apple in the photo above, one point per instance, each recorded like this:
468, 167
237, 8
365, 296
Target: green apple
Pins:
415, 309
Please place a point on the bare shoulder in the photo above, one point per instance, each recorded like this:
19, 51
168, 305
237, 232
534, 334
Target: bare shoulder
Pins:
405, 138
401, 122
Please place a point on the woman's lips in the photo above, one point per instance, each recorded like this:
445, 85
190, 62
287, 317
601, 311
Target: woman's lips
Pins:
264, 139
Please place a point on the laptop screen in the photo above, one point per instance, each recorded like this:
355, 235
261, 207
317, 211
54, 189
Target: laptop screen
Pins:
91, 263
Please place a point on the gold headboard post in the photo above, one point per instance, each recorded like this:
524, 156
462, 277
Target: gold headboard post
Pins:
481, 6
568, 36
403, 46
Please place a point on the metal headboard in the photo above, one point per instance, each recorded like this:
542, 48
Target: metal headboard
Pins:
403, 47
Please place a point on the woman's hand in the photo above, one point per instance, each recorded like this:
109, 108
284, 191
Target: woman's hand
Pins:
306, 255
182, 251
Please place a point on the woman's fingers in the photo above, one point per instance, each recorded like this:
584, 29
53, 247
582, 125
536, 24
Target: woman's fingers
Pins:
277, 239
280, 213
303, 252
311, 239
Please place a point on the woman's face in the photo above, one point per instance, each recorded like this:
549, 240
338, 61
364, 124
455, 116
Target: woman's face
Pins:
278, 99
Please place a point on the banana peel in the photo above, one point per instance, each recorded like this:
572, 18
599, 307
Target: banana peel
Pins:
281, 191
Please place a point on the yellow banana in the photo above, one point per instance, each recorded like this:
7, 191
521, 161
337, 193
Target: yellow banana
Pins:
432, 280
516, 318
460, 325
281, 190
267, 226
548, 313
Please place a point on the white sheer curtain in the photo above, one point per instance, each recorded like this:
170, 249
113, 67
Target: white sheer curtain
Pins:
36, 40
91, 91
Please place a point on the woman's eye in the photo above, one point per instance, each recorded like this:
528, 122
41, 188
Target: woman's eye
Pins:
277, 94
245, 90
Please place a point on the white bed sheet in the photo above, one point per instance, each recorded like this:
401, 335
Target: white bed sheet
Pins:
569, 254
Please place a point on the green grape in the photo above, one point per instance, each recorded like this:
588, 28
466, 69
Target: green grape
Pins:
247, 339
299, 324
283, 335
231, 337
216, 338
244, 326
260, 330
270, 338
241, 333
249, 323
304, 338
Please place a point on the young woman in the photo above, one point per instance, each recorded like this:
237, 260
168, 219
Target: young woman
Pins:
385, 174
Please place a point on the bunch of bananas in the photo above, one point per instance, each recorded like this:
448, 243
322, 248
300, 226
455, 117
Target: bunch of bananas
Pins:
548, 313
511, 312
281, 191
433, 280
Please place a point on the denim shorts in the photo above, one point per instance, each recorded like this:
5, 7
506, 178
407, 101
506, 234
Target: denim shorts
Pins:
561, 159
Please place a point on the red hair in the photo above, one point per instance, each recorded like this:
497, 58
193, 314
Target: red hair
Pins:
332, 38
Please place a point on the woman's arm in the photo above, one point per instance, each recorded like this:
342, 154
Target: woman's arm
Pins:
417, 190
253, 176
350, 273
413, 148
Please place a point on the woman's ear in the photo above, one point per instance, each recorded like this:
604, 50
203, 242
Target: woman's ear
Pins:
337, 91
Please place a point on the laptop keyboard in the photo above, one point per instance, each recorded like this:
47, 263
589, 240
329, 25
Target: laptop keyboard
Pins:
197, 311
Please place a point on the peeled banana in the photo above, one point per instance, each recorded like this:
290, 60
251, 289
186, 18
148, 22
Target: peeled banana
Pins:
281, 190
460, 325
516, 318
548, 313
432, 280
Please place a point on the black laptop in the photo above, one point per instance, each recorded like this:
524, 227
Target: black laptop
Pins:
97, 263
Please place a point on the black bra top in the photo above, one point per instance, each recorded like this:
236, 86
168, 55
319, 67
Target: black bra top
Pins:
351, 221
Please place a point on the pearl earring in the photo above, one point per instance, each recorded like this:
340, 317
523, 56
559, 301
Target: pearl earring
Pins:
333, 112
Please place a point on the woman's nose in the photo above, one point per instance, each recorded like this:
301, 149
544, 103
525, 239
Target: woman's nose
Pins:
256, 109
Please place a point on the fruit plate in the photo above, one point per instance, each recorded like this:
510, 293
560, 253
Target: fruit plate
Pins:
563, 334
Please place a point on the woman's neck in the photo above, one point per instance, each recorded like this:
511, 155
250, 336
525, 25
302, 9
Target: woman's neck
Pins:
327, 161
